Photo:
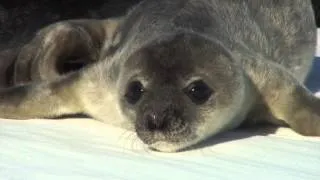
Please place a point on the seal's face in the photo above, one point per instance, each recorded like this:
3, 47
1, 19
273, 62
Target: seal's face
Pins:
179, 91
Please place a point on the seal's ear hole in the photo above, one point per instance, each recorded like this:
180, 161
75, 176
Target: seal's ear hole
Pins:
198, 91
72, 63
134, 92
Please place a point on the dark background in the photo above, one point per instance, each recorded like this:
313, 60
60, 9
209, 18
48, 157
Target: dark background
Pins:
316, 7
19, 19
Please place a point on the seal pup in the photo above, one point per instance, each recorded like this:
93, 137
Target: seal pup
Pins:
175, 72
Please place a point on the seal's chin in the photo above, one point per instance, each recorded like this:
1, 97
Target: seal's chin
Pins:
169, 147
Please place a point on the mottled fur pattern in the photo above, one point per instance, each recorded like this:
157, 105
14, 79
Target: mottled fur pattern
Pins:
254, 56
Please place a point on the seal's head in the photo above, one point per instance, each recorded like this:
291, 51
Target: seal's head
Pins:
180, 90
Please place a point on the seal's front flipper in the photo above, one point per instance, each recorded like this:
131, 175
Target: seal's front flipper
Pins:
304, 112
41, 100
284, 97
63, 47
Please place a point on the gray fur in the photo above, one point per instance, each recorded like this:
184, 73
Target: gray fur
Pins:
253, 54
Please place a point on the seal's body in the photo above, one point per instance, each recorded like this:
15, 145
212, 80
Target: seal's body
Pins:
177, 71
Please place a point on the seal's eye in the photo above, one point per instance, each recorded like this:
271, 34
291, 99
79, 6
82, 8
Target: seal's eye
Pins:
134, 92
198, 91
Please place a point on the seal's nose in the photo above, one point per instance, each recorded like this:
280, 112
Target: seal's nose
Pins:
155, 121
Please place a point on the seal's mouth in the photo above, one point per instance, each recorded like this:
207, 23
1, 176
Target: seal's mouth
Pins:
169, 140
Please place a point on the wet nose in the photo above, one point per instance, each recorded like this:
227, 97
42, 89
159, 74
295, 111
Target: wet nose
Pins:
155, 122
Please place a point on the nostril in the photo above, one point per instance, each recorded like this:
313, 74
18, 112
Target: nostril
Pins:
153, 122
